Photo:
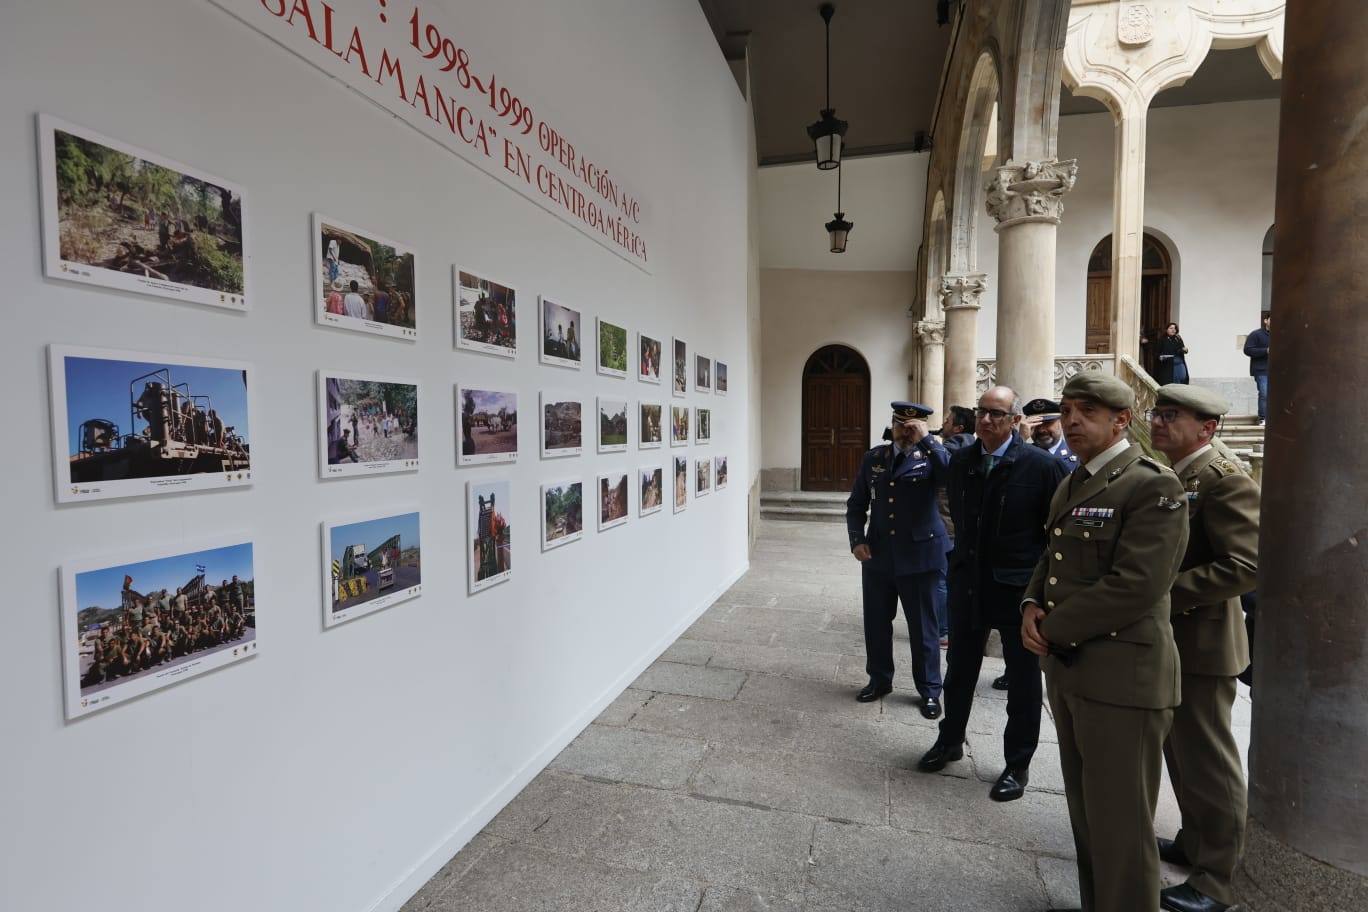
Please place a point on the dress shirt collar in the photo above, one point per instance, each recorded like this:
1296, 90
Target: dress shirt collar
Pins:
983, 451
1054, 450
1189, 459
1101, 459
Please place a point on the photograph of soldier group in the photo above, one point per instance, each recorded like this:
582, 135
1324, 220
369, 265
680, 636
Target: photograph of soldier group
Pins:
1110, 559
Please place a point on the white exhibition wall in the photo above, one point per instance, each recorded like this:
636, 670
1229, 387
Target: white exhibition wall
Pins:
337, 769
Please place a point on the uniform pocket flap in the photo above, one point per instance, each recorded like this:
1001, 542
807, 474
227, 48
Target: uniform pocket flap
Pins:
1013, 577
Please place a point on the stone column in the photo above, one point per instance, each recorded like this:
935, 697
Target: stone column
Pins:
1026, 200
1307, 846
1128, 228
931, 342
960, 294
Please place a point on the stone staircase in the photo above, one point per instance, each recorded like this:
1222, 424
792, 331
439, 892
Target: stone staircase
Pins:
803, 506
1243, 436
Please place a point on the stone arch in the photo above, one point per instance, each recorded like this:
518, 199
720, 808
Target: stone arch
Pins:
980, 104
1266, 297
937, 255
1030, 121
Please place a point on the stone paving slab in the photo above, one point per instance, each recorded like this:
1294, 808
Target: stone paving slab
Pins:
989, 762
868, 869
431, 893
1038, 822
818, 786
838, 641
1060, 877
807, 696
880, 741
692, 680
521, 878
777, 618
689, 652
730, 899
715, 631
628, 755
730, 723
780, 660
621, 710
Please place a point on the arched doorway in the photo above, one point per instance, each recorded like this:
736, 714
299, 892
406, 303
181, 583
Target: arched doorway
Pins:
1156, 291
835, 418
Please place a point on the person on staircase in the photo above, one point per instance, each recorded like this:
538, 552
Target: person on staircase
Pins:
1171, 357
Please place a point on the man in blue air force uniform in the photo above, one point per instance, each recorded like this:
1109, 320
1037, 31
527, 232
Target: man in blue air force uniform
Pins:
1041, 427
901, 551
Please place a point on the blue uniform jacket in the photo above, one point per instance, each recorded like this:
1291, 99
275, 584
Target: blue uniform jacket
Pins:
1066, 456
905, 533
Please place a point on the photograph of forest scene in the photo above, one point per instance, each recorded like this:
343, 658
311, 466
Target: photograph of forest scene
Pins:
119, 212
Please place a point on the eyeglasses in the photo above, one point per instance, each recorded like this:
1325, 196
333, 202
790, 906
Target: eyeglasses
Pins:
1163, 416
995, 414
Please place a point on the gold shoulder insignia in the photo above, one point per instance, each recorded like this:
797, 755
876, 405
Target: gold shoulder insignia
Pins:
1152, 463
1224, 466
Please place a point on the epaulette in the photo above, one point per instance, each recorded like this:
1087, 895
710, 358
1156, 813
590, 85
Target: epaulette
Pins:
1154, 464
1224, 466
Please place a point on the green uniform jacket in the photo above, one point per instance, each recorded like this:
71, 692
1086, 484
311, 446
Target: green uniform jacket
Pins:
1115, 542
1220, 565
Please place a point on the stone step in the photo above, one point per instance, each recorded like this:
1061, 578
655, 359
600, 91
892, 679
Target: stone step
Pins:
810, 513
803, 498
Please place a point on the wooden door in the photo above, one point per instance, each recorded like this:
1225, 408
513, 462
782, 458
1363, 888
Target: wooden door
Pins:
835, 418
1099, 315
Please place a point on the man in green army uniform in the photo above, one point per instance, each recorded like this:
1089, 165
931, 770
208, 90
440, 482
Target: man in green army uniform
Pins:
1097, 609
1220, 565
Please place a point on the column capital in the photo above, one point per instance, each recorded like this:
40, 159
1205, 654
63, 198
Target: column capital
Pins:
962, 291
1030, 191
930, 332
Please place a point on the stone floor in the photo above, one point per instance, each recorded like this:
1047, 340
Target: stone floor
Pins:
738, 774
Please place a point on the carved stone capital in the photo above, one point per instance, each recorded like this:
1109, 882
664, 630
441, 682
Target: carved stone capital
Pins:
963, 291
1030, 191
930, 332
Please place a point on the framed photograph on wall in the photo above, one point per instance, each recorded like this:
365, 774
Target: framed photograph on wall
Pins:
121, 217
486, 314
143, 619
487, 421
719, 472
702, 477
128, 424
679, 425
702, 425
367, 424
680, 387
612, 425
370, 562
648, 359
489, 542
363, 282
562, 513
612, 349
702, 374
720, 378
561, 334
562, 425
613, 493
651, 424
652, 490
681, 483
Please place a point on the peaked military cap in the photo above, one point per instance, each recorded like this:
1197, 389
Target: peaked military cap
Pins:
1044, 408
1099, 387
906, 410
1204, 402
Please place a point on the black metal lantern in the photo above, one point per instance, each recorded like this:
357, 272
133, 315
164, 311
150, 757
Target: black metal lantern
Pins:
838, 227
828, 132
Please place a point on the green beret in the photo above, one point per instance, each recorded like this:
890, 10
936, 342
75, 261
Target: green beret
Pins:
1100, 387
1203, 402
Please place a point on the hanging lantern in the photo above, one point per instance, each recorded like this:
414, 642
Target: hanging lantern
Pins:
838, 227
828, 132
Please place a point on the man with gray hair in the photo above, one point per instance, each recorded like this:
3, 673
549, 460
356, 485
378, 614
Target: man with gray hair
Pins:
999, 490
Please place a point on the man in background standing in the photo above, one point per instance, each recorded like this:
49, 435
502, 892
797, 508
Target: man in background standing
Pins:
1256, 348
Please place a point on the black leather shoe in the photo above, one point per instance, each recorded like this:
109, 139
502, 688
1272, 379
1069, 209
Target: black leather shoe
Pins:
1173, 853
931, 708
939, 755
872, 691
1000, 683
1184, 898
1011, 785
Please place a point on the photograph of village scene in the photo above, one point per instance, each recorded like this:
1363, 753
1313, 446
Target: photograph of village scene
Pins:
702, 425
562, 426
613, 491
127, 424
370, 564
720, 375
562, 513
371, 425
365, 283
702, 374
138, 626
127, 219
679, 425
651, 426
720, 473
702, 477
486, 315
612, 425
648, 370
488, 420
560, 334
681, 369
489, 504
681, 483
652, 490
612, 349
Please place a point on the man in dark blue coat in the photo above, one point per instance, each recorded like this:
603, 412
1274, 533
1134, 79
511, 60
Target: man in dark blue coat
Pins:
1256, 349
1000, 492
901, 551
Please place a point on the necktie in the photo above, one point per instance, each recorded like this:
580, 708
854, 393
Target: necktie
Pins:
989, 460
1080, 477
898, 459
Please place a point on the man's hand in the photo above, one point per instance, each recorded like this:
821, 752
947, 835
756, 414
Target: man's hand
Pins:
1031, 637
861, 553
1028, 426
917, 430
